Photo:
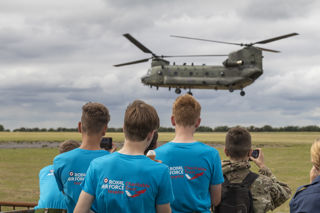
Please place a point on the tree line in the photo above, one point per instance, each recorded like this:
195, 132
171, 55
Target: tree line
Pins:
265, 128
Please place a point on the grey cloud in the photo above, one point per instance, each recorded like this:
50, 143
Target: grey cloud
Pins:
276, 10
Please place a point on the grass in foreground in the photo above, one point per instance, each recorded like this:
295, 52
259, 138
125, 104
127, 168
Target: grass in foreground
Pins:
258, 138
286, 154
19, 169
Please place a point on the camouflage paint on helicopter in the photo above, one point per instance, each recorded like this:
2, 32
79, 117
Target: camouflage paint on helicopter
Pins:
239, 70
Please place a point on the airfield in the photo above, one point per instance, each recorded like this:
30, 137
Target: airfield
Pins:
287, 154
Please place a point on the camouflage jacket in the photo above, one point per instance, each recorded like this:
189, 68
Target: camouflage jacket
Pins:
267, 192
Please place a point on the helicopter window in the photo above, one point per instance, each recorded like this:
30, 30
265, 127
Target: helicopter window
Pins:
206, 73
159, 73
175, 73
222, 73
190, 73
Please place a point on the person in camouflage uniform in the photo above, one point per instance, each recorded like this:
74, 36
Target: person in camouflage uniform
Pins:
267, 192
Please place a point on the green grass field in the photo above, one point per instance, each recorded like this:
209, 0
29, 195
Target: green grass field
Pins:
286, 154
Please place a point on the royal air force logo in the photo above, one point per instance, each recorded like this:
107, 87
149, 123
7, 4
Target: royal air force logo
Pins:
105, 180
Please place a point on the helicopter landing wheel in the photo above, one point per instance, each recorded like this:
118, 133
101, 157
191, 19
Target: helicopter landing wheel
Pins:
177, 91
242, 93
190, 93
230, 89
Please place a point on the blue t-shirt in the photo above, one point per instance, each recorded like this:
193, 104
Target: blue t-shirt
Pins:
307, 198
50, 196
193, 168
70, 169
127, 183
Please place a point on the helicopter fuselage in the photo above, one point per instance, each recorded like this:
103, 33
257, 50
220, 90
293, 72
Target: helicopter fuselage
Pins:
241, 69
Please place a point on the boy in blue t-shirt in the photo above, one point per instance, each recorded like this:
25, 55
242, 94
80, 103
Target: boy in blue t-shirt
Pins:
128, 181
50, 196
195, 168
70, 168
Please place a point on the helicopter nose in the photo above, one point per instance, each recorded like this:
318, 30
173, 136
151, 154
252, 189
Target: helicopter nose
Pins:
144, 79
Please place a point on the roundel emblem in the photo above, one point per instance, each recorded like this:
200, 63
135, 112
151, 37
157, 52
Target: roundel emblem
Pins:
105, 180
71, 173
51, 171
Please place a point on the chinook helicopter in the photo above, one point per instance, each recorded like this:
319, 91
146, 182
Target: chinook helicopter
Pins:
239, 70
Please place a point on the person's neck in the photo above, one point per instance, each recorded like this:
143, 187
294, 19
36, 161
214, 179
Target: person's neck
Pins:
184, 134
133, 147
233, 160
90, 142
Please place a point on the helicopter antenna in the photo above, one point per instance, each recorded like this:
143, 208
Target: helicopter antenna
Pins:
244, 44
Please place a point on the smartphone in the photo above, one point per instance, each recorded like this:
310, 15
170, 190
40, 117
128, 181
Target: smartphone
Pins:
153, 143
106, 143
255, 153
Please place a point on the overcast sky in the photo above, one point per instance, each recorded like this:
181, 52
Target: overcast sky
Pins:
57, 55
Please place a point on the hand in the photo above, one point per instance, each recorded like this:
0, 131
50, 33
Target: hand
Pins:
113, 149
260, 160
313, 173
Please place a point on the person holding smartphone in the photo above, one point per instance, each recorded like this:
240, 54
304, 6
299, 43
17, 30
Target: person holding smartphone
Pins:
267, 192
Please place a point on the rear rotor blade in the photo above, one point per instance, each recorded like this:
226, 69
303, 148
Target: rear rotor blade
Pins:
177, 56
200, 39
268, 50
275, 38
132, 62
138, 44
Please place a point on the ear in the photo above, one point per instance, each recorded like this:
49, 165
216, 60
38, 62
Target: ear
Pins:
225, 152
104, 130
79, 127
173, 121
150, 136
198, 123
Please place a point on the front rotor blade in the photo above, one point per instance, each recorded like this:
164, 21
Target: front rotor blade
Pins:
269, 50
276, 38
132, 62
177, 56
138, 44
200, 39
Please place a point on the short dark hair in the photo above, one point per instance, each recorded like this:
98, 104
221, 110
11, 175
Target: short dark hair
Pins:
238, 143
68, 145
139, 120
94, 117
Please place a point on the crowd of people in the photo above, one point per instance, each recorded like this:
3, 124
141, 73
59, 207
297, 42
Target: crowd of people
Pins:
186, 175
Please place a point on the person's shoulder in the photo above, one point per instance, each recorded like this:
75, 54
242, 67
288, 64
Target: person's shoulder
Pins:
46, 169
313, 188
67, 155
156, 167
164, 146
206, 149
102, 159
262, 185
